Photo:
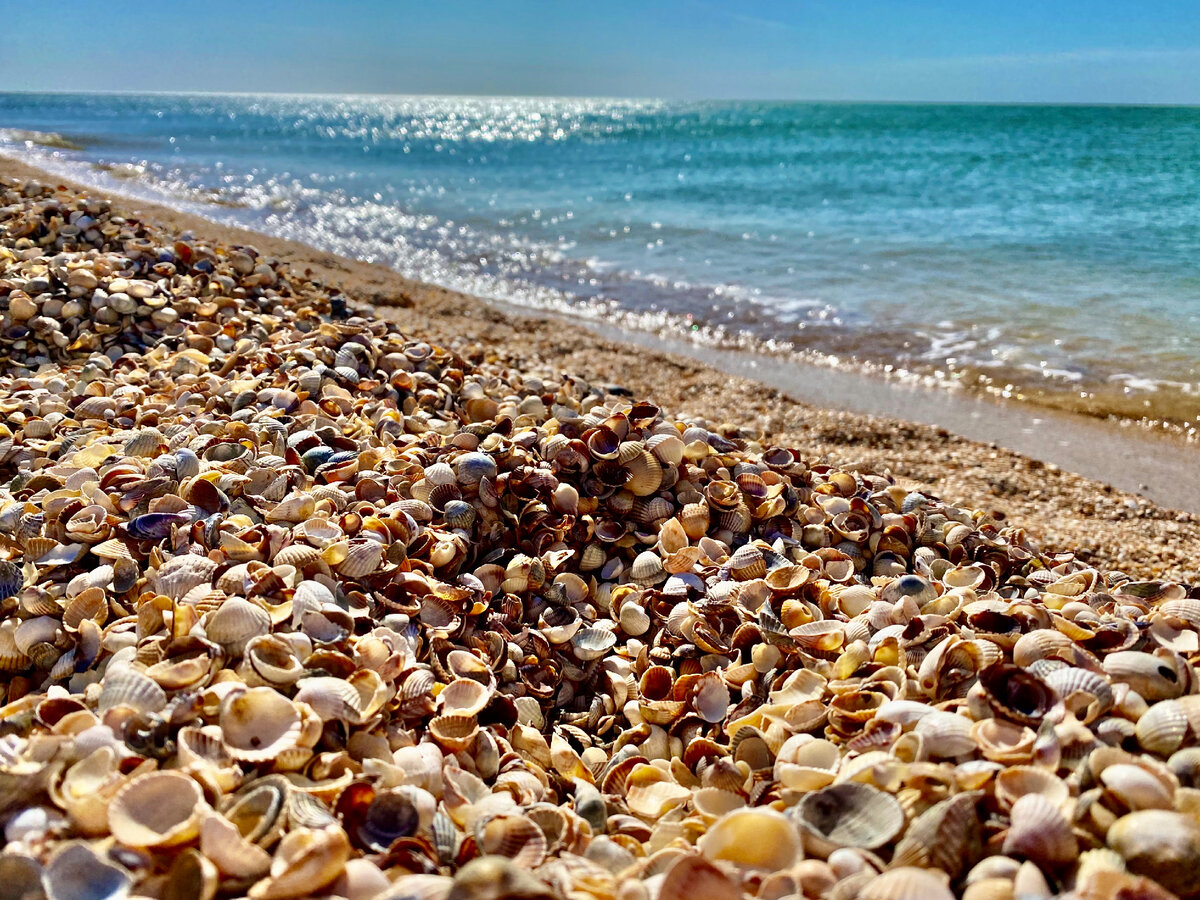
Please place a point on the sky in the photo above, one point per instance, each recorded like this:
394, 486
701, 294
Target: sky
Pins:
1071, 51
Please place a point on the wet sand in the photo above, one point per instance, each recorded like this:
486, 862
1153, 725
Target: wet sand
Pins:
1014, 459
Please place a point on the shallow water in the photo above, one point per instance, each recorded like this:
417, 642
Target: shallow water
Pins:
1047, 249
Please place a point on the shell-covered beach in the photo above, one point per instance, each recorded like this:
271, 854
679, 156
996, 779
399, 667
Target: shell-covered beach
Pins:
319, 582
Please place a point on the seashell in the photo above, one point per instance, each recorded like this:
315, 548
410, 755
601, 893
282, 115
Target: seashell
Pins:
667, 448
75, 872
235, 623
454, 731
592, 558
647, 568
592, 642
131, 689
757, 839
850, 814
150, 527
1017, 694
472, 468
1160, 844
1004, 742
824, 635
232, 854
947, 735
258, 724
1153, 677
907, 883
691, 876
158, 809
645, 472
306, 860
1012, 784
1185, 765
259, 810
946, 836
1084, 693
387, 817
38, 630
711, 698
271, 661
180, 574
1040, 832
362, 558
649, 793
1136, 787
515, 837
12, 579
192, 875
712, 803
463, 696
459, 514
1163, 727
695, 519
747, 563
489, 876
633, 619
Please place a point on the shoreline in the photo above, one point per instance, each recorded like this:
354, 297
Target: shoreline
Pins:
1168, 408
1057, 508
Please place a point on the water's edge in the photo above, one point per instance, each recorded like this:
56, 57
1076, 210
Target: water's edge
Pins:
1160, 467
1129, 456
897, 308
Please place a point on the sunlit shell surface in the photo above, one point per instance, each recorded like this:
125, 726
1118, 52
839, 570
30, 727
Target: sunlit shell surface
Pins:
295, 604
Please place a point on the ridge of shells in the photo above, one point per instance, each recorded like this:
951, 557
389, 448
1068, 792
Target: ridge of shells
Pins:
295, 604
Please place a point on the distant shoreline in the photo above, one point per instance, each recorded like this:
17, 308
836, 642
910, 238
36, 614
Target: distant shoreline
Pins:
1051, 104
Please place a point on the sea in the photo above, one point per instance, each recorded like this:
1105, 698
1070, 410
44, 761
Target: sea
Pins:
1049, 253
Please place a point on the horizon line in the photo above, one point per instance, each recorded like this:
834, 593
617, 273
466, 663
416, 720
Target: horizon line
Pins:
1163, 104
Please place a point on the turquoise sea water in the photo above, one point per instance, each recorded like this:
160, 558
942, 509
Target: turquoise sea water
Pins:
1052, 248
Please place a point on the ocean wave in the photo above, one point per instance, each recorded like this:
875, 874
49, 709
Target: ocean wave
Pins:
51, 139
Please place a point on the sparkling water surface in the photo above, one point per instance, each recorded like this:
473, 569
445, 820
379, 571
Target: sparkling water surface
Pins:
1052, 248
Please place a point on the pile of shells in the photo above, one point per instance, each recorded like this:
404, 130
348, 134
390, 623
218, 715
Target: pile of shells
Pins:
295, 605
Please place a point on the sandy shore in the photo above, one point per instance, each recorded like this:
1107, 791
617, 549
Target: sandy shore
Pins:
1107, 525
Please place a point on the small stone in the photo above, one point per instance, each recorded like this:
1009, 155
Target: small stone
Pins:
21, 306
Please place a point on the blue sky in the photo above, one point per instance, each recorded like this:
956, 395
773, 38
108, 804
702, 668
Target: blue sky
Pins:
1147, 51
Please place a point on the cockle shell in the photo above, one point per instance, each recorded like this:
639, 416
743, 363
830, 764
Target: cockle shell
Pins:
127, 687
464, 696
75, 872
237, 857
1162, 728
907, 883
258, 724
515, 837
158, 809
1040, 832
1160, 844
1153, 677
271, 661
1136, 787
235, 623
306, 860
756, 839
850, 814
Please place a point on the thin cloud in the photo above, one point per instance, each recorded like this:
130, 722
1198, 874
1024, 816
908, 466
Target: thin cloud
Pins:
761, 22
1086, 55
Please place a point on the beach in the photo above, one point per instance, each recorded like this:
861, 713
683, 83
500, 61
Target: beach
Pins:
1110, 527
319, 581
